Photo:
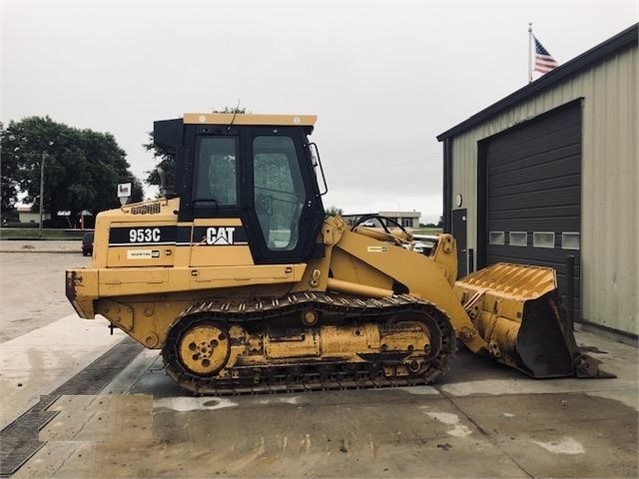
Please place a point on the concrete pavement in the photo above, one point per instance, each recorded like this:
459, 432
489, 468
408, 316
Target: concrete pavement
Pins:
481, 420
38, 362
33, 290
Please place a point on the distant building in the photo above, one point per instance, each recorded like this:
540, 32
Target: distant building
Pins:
25, 215
408, 219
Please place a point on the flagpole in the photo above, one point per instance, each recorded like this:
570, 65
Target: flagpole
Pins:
530, 52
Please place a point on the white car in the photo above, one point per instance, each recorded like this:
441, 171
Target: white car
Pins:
419, 247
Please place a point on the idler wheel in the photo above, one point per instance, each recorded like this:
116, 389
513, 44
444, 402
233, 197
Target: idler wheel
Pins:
204, 348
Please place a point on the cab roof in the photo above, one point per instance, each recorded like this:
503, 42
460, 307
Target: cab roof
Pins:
248, 119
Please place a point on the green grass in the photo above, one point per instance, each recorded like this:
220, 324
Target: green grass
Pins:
33, 234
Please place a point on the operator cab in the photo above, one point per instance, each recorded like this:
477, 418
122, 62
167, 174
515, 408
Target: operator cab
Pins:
256, 168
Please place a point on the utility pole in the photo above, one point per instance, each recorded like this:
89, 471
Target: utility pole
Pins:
44, 154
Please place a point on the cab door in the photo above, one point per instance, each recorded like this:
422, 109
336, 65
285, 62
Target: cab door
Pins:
285, 212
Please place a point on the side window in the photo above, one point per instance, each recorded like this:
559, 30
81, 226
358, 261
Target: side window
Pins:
279, 191
215, 181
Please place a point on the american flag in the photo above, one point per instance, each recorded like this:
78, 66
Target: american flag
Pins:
544, 62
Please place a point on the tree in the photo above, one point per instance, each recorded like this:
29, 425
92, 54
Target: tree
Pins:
9, 181
166, 160
334, 211
82, 168
137, 190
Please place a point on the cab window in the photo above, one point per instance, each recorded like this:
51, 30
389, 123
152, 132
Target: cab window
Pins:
215, 180
279, 192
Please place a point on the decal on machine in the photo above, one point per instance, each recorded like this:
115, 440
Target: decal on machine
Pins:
142, 235
177, 236
219, 236
143, 254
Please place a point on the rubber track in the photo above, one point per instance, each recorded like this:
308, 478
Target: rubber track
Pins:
288, 378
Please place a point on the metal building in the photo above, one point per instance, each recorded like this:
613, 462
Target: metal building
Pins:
548, 175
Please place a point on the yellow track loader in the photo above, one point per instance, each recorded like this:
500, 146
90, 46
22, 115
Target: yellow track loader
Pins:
246, 286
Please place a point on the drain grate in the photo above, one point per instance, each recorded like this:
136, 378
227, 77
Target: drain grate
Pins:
19, 440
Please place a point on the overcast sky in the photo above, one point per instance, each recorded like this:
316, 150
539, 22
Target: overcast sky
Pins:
384, 78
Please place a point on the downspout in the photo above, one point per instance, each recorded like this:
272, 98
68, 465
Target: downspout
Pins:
448, 185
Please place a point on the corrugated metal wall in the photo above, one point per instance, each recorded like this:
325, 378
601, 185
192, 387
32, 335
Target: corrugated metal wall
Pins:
610, 215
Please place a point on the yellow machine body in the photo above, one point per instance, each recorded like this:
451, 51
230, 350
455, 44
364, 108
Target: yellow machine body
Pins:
358, 310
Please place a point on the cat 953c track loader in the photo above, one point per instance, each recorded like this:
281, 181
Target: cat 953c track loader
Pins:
245, 285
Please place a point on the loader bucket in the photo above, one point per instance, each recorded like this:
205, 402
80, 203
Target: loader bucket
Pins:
518, 311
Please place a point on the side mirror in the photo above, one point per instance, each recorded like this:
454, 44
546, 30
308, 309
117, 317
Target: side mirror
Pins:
317, 165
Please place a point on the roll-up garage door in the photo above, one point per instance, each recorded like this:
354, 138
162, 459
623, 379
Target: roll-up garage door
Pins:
533, 195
